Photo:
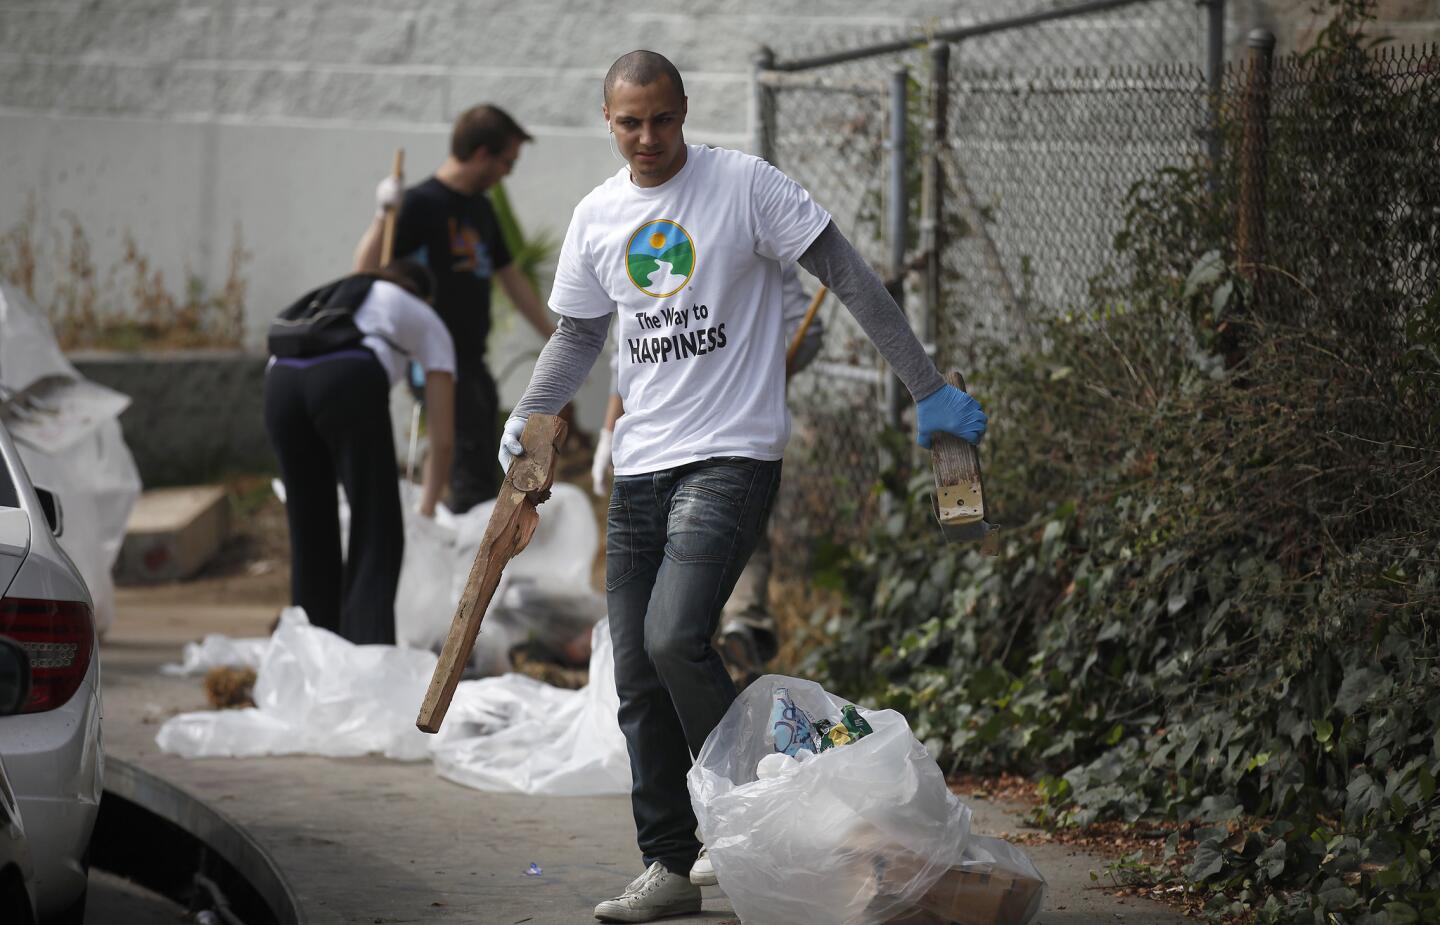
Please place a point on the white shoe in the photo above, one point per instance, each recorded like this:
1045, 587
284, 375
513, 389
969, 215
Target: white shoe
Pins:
702, 872
652, 895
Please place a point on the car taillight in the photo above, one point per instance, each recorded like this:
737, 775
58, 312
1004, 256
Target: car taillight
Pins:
58, 636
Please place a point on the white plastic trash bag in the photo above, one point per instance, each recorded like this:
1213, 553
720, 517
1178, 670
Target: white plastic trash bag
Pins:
68, 433
316, 693
517, 734
995, 883
218, 651
855, 834
544, 593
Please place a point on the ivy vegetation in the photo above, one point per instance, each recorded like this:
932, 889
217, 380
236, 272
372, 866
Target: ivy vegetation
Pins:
1216, 605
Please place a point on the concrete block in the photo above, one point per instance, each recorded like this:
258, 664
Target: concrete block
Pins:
1417, 11
331, 93
333, 36
172, 533
1405, 35
90, 88
159, 32
718, 103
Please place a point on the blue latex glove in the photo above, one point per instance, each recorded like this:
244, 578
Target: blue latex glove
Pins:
949, 411
510, 445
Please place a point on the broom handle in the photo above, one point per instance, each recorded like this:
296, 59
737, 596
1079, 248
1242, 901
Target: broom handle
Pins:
804, 326
387, 237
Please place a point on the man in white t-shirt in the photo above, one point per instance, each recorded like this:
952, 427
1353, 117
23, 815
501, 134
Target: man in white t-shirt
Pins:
685, 245
749, 636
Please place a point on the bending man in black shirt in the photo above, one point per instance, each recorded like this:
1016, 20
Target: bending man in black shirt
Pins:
448, 224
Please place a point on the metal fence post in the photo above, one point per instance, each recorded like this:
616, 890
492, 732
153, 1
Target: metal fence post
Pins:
764, 105
932, 215
898, 221
1250, 223
1214, 74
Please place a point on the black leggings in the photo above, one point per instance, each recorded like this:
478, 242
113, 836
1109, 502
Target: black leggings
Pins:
328, 421
475, 474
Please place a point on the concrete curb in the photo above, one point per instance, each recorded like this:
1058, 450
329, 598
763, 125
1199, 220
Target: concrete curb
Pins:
212, 829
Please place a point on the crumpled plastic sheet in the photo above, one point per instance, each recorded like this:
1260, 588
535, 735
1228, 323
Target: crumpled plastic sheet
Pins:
799, 845
986, 855
517, 734
544, 593
218, 651
316, 693
440, 552
84, 459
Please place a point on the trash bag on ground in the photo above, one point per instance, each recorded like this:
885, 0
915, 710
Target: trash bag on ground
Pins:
218, 651
855, 834
544, 593
319, 694
67, 430
994, 883
559, 621
516, 734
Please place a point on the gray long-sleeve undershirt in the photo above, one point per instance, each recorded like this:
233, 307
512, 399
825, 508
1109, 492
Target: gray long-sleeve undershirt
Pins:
833, 261
577, 342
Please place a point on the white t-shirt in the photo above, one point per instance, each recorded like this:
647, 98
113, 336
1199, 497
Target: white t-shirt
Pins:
795, 305
693, 268
399, 327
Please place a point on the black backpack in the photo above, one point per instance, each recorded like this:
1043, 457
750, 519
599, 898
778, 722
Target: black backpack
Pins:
322, 320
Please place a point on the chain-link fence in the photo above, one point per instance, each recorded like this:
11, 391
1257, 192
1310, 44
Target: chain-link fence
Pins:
1036, 174
994, 173
1043, 127
1329, 190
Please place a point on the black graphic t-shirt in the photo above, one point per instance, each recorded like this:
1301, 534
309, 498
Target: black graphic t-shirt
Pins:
458, 237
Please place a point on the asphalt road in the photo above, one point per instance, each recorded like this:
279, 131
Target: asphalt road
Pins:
116, 901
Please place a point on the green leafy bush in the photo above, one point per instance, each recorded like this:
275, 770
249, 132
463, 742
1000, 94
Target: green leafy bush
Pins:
1218, 606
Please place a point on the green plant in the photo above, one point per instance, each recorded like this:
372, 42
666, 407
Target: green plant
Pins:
131, 307
1217, 608
531, 253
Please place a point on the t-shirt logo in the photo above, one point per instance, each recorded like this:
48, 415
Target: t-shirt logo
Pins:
467, 252
660, 258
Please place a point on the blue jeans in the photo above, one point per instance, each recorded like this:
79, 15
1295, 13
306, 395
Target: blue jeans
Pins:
675, 543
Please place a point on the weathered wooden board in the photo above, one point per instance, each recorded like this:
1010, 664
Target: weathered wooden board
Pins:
960, 490
511, 526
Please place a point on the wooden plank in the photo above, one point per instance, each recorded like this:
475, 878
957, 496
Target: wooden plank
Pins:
511, 526
960, 490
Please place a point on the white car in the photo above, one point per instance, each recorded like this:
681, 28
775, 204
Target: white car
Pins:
51, 746
17, 870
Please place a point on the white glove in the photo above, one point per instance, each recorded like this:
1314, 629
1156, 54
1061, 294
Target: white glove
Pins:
600, 466
388, 193
510, 445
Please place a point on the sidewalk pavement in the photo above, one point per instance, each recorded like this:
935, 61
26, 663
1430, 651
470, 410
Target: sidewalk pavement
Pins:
377, 841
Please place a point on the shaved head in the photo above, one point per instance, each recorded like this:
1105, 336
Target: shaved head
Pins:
642, 68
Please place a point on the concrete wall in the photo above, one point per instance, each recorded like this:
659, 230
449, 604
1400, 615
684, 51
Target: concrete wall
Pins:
188, 122
194, 415
194, 124
1296, 23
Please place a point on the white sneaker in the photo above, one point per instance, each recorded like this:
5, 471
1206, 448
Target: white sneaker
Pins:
702, 872
652, 895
